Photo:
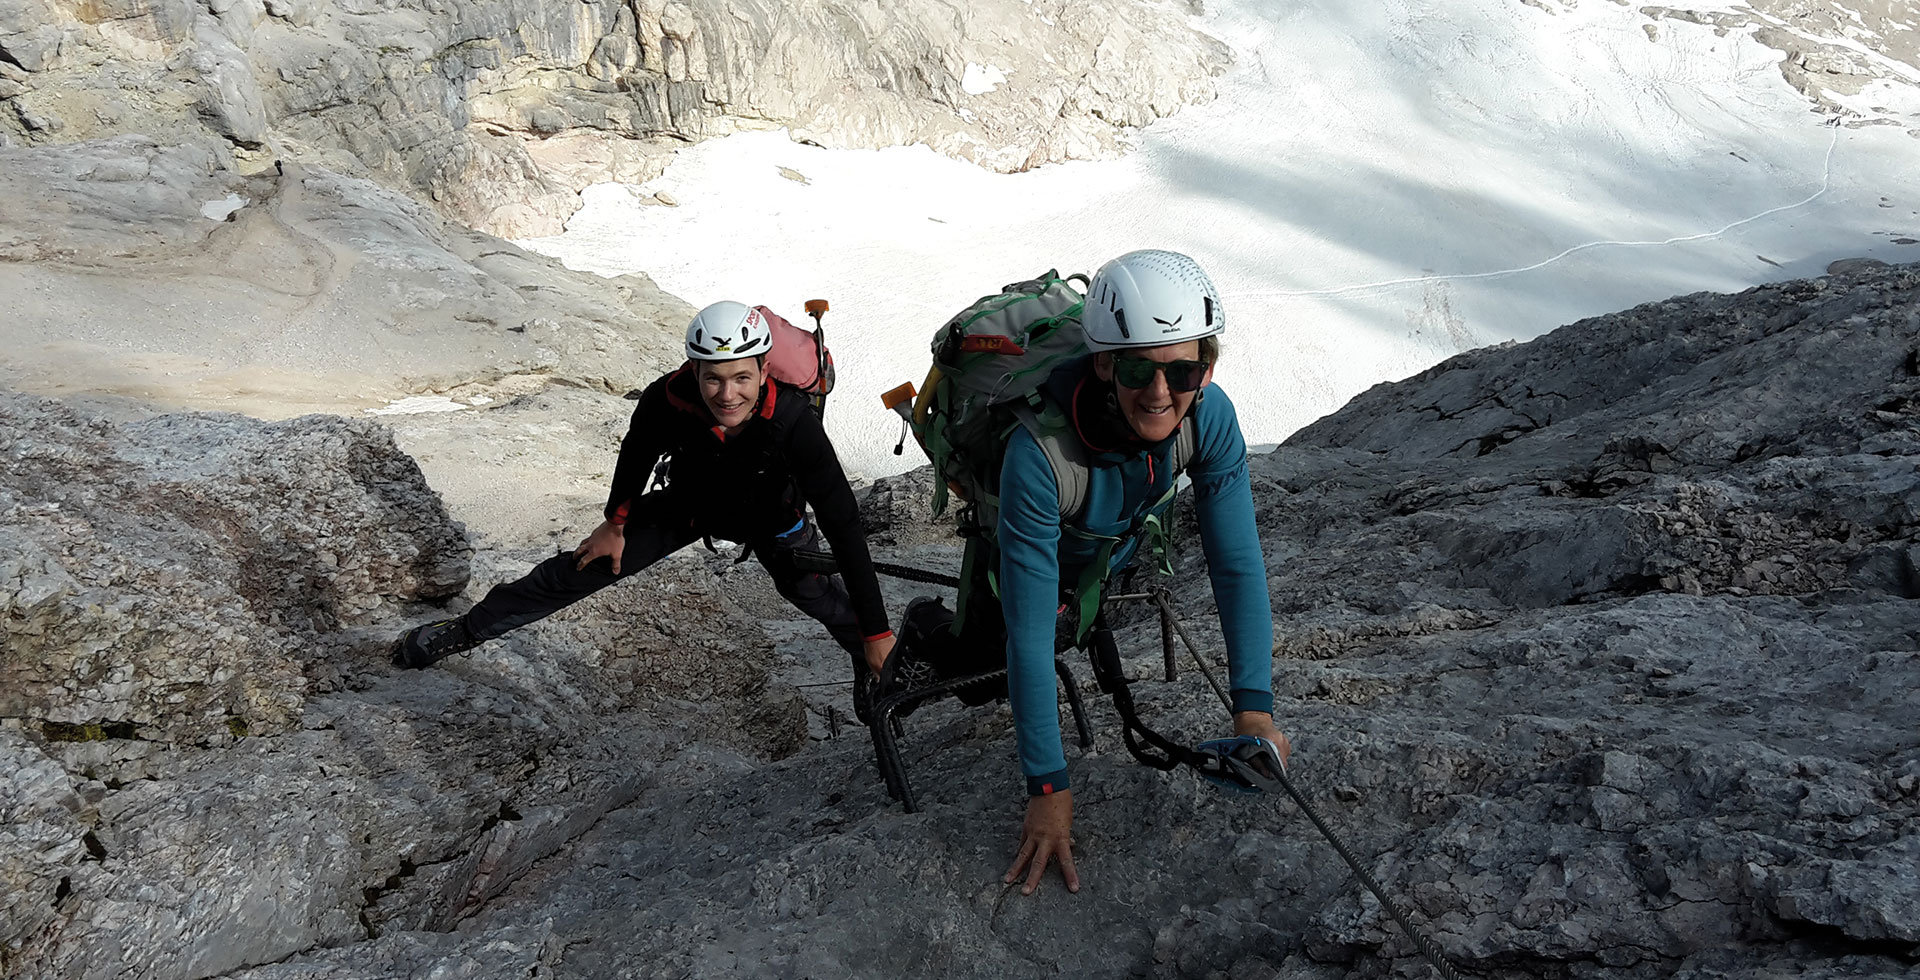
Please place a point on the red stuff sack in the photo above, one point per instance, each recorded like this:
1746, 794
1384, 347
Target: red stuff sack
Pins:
799, 358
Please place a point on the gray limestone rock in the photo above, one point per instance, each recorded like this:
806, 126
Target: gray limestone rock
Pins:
456, 100
898, 510
144, 272
1599, 649
1850, 267
1622, 691
288, 528
206, 762
232, 104
513, 951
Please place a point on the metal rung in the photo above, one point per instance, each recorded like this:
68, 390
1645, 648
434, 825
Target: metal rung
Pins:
886, 729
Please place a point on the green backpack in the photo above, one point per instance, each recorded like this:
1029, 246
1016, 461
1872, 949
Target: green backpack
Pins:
989, 363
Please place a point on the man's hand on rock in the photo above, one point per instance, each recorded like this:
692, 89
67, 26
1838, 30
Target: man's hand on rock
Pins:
609, 540
1047, 834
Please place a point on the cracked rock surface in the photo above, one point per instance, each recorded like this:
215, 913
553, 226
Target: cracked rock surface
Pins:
207, 763
1599, 650
500, 112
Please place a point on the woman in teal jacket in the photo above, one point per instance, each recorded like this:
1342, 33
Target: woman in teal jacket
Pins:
1154, 320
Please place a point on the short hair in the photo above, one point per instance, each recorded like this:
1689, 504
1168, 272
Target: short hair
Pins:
1210, 349
700, 366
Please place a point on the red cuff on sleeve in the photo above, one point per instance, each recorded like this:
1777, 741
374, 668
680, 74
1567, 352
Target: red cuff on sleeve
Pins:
879, 636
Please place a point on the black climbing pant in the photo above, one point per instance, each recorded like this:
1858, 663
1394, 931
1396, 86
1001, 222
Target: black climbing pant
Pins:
555, 583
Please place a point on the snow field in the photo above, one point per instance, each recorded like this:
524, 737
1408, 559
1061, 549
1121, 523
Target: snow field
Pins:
1377, 187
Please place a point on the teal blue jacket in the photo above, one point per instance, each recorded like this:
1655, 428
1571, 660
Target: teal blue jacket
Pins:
1036, 558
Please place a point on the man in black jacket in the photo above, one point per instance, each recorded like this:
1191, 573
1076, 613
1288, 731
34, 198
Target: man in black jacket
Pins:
748, 455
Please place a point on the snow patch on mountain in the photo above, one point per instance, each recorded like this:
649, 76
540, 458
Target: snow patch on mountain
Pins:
1377, 186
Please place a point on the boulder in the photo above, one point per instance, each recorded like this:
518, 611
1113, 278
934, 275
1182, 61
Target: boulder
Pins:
158, 569
206, 760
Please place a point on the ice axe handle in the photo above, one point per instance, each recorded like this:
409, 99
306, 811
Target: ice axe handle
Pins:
900, 400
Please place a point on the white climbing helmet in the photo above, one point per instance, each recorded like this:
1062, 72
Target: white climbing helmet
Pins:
1148, 298
728, 331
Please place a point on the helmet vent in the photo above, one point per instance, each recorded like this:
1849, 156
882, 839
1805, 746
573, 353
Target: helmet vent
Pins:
1168, 288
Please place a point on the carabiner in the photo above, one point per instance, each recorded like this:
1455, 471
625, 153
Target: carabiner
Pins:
1244, 764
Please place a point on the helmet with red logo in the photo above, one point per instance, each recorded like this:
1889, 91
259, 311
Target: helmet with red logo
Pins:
728, 331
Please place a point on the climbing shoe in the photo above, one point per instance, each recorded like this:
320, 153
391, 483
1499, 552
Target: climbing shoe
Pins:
927, 628
423, 646
905, 670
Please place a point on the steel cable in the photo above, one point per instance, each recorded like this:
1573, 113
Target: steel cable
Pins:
1427, 947
1429, 950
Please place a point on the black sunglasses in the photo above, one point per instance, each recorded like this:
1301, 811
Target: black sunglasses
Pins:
1138, 372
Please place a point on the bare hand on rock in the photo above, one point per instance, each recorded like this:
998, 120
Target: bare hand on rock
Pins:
1047, 834
609, 539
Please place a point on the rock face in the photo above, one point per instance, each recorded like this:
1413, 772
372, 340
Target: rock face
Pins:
140, 276
1650, 582
158, 571
896, 510
1599, 650
205, 761
1842, 54
500, 112
142, 270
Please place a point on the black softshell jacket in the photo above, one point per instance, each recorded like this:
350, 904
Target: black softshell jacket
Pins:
749, 486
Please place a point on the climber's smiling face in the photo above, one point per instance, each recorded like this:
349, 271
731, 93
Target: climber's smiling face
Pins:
1155, 386
731, 389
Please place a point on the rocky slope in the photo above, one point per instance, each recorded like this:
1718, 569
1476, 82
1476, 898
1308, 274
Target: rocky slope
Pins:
1843, 54
142, 276
266, 208
205, 761
142, 270
1601, 647
500, 112
1604, 644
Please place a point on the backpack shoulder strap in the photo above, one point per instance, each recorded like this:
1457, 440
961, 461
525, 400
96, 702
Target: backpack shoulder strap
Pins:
1186, 445
1068, 456
789, 403
1065, 454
